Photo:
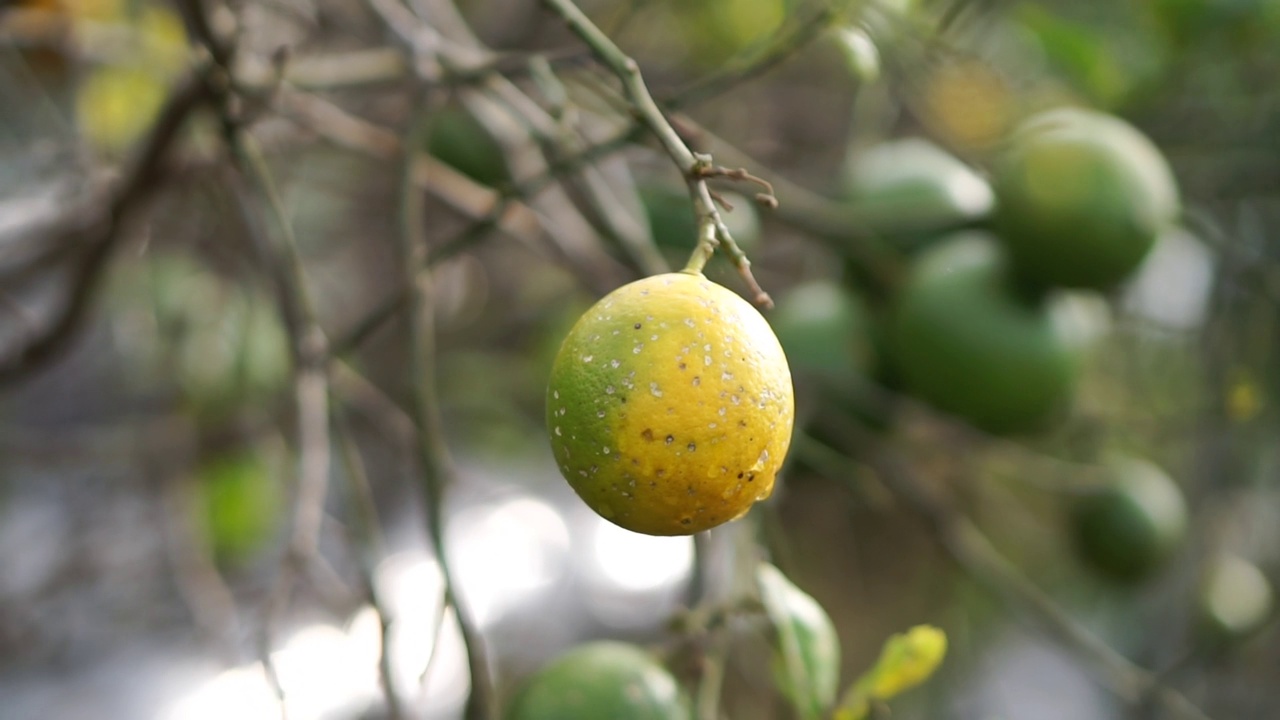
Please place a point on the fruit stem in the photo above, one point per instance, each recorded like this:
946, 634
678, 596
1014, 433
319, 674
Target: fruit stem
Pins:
695, 167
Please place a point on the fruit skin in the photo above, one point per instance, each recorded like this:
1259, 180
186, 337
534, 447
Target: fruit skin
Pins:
1126, 529
962, 339
910, 190
1082, 197
600, 680
670, 406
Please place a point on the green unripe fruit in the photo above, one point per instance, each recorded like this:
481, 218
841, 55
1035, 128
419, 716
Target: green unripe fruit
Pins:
1126, 529
911, 190
457, 139
962, 339
1082, 197
1235, 599
240, 503
824, 331
674, 228
600, 680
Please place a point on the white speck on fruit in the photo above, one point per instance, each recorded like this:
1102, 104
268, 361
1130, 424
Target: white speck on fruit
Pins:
706, 359
726, 376
608, 390
653, 388
722, 411
711, 426
689, 322
697, 381
588, 358
614, 364
636, 350
736, 400
558, 433
555, 394
653, 336
606, 449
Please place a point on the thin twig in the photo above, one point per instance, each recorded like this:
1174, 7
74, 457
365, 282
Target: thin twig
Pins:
371, 549
436, 464
691, 165
97, 242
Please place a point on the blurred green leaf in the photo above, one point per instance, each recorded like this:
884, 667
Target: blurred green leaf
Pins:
808, 659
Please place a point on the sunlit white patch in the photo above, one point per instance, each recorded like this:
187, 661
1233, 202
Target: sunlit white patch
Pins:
506, 553
634, 579
1173, 285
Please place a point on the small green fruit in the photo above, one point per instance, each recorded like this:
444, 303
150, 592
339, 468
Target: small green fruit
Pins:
459, 140
600, 680
1235, 599
824, 331
911, 190
962, 339
240, 502
1126, 529
669, 211
1082, 197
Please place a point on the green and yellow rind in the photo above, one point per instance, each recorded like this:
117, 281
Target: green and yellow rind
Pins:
670, 406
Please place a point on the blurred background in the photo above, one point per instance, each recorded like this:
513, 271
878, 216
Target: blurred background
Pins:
281, 283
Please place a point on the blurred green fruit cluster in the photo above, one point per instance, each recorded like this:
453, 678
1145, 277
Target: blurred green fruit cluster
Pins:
600, 680
977, 326
964, 340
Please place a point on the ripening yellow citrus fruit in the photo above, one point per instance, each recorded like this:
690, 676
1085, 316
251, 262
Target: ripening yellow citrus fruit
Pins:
670, 406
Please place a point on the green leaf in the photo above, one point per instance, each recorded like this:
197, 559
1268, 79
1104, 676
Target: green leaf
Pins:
807, 661
907, 660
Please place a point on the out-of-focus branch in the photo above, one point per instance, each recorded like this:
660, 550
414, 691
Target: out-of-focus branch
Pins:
370, 549
436, 463
93, 242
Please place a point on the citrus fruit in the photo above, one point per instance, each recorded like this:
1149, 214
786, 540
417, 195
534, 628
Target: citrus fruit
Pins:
241, 503
457, 139
1235, 599
1082, 197
670, 406
1125, 529
824, 330
962, 339
600, 680
910, 190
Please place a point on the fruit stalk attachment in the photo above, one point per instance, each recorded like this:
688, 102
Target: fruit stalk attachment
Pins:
695, 167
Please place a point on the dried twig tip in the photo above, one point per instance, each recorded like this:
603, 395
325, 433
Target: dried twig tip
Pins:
766, 198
